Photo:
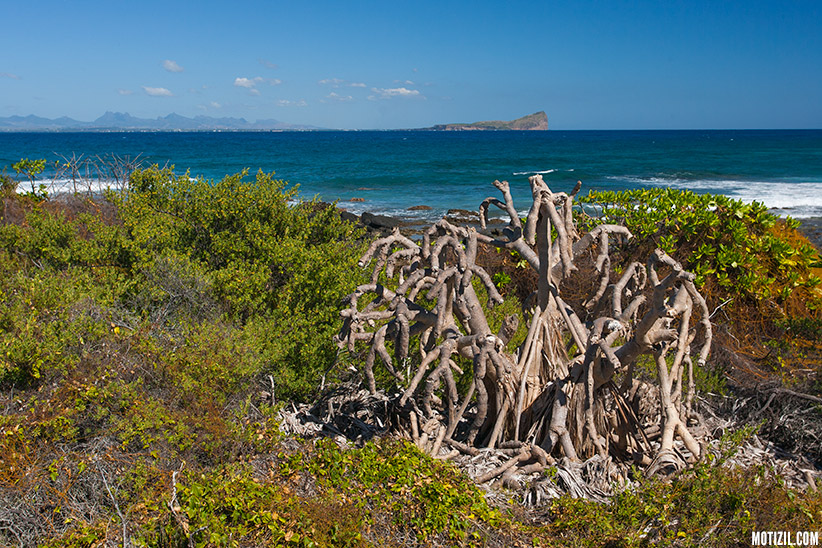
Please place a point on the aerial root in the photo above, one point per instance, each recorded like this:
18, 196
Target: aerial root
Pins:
549, 394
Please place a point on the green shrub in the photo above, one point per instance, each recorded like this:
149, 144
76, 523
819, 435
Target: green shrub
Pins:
427, 497
276, 266
741, 247
709, 505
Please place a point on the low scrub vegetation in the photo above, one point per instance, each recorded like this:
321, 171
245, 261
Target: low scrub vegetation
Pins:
148, 340
760, 276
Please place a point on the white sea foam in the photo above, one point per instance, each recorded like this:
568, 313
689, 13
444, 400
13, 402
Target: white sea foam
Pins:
543, 172
797, 198
60, 186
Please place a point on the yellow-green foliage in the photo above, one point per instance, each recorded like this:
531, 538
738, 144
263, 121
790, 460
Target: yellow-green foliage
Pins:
242, 252
133, 350
353, 491
715, 237
394, 478
709, 505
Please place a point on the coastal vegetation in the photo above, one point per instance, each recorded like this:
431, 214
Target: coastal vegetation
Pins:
152, 339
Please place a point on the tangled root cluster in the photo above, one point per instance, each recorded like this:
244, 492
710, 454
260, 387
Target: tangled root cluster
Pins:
570, 390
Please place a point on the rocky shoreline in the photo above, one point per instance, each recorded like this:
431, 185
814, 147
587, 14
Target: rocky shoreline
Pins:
377, 224
810, 227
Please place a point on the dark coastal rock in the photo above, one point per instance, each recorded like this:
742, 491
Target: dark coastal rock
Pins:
420, 208
811, 228
462, 215
357, 200
348, 216
379, 221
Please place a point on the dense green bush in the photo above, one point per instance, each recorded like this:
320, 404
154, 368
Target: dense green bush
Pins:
277, 266
740, 246
242, 251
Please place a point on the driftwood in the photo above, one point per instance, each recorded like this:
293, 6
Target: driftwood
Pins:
569, 390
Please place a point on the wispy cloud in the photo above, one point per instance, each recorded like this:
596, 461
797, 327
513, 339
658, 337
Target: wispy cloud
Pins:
172, 66
334, 97
268, 64
389, 93
211, 106
286, 103
125, 92
251, 83
339, 82
9, 75
404, 82
157, 92
247, 82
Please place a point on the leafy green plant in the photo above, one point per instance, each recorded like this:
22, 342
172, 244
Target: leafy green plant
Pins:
501, 279
740, 246
31, 169
710, 503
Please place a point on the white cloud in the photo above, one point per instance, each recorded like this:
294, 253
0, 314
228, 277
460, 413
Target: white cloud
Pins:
339, 82
247, 82
125, 92
404, 82
336, 98
172, 66
212, 105
268, 64
251, 83
157, 92
9, 75
388, 93
286, 103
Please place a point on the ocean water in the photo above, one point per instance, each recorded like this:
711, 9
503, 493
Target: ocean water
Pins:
391, 171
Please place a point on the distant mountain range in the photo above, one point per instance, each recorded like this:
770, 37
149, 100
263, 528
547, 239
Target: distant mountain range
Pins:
123, 121
533, 122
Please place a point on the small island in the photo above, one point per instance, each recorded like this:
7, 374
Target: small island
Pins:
533, 122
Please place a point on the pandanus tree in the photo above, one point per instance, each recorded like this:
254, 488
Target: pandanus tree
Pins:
570, 389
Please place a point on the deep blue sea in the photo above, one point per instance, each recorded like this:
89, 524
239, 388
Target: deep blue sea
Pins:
394, 170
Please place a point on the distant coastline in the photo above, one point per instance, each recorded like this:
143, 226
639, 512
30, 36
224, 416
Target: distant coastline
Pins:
537, 121
124, 122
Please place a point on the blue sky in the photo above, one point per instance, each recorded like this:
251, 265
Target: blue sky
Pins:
382, 65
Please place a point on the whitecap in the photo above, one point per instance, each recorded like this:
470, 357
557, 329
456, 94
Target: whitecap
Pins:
797, 198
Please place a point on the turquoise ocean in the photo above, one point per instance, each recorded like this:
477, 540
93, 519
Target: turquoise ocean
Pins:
391, 171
